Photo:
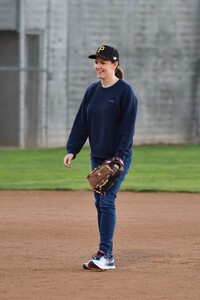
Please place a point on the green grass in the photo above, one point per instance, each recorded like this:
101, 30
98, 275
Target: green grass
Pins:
155, 168
165, 168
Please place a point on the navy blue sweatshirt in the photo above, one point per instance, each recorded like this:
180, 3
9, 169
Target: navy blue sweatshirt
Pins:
107, 117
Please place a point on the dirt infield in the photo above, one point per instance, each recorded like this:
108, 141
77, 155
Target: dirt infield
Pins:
46, 236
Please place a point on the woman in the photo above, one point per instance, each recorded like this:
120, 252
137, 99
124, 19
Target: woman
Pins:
107, 117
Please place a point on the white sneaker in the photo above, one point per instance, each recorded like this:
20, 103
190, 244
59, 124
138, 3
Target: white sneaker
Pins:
101, 262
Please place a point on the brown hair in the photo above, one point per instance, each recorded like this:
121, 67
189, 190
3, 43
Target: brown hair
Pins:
119, 73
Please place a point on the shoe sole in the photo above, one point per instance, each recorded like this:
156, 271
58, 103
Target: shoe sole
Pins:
85, 266
93, 266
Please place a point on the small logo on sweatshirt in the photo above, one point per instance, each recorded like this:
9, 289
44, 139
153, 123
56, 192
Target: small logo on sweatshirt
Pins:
111, 100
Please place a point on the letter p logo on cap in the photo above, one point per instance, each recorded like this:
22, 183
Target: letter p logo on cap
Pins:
101, 48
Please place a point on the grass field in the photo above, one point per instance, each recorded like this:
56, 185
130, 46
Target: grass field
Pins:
155, 168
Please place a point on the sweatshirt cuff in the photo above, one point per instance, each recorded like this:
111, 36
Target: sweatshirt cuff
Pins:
71, 152
120, 155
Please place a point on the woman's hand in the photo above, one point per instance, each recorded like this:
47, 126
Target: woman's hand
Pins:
67, 160
116, 166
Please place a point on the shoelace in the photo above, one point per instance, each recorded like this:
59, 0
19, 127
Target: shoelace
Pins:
98, 255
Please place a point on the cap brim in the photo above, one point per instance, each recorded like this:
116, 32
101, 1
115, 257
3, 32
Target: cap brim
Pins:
93, 56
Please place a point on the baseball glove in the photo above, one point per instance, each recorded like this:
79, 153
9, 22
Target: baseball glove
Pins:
105, 175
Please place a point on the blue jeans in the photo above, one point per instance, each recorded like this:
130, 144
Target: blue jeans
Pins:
106, 210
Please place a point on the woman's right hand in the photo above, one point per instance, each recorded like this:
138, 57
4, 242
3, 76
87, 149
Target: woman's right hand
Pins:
67, 160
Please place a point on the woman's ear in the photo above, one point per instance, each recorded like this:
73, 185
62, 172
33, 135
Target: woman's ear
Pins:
115, 65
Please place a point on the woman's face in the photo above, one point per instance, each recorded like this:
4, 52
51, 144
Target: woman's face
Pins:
104, 68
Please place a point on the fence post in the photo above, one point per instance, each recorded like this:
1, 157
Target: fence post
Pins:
22, 73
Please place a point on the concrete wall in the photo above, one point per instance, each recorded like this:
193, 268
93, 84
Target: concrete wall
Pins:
159, 46
8, 14
49, 18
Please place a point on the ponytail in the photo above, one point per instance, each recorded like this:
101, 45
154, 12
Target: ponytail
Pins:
119, 73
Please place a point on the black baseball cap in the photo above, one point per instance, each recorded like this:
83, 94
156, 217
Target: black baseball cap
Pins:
106, 52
